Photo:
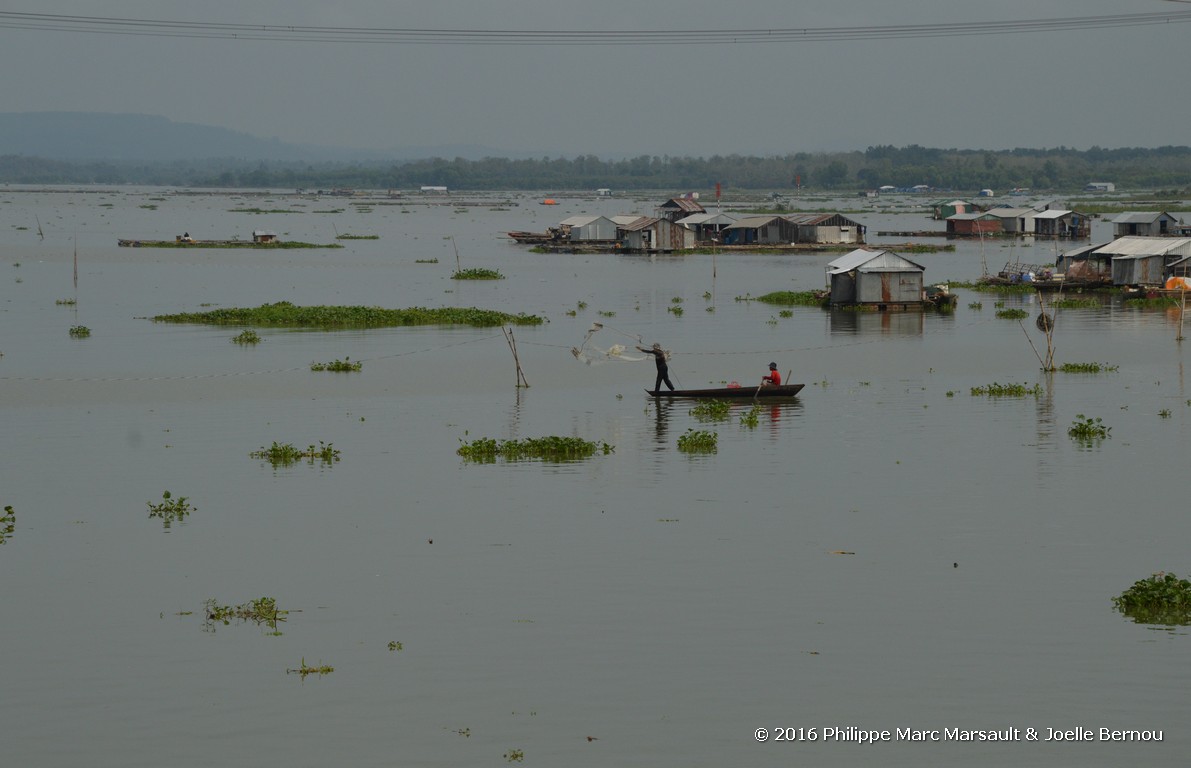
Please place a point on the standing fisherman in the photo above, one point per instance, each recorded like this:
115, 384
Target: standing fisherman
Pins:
659, 357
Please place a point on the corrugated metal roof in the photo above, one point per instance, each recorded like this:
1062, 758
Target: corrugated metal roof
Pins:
1139, 217
1075, 253
577, 221
683, 204
752, 222
872, 261
707, 218
970, 216
1144, 247
1053, 214
644, 222
1012, 213
625, 218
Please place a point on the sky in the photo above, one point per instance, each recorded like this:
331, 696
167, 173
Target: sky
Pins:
1121, 86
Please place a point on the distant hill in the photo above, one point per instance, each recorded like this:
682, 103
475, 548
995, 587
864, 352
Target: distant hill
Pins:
97, 136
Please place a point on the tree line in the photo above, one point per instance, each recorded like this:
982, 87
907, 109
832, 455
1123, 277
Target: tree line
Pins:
959, 169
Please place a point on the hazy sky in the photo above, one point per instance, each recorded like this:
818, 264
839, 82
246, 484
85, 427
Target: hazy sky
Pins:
1112, 87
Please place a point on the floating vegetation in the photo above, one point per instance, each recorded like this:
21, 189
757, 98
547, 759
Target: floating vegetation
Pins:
1088, 430
786, 313
1087, 367
263, 610
515, 755
349, 236
263, 210
338, 366
1157, 302
582, 305
304, 670
550, 448
751, 417
248, 336
280, 455
80, 331
1007, 390
993, 287
395, 645
1085, 302
607, 313
66, 302
675, 309
170, 509
976, 305
8, 524
698, 441
425, 261
1164, 413
477, 273
711, 410
676, 300
286, 315
789, 298
1012, 314
1163, 598
148, 207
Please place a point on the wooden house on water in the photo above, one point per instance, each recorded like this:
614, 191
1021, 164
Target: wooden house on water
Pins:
826, 228
707, 226
1060, 223
973, 224
1085, 265
582, 229
653, 235
678, 208
264, 236
1143, 224
1144, 260
761, 230
880, 278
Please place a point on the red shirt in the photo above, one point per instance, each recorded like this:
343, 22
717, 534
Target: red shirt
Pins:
773, 378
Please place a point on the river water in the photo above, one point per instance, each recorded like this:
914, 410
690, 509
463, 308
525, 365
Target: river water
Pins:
887, 551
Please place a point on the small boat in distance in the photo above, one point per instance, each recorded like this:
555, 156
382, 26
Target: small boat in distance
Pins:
733, 393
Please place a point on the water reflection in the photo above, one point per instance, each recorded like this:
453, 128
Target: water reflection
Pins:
896, 323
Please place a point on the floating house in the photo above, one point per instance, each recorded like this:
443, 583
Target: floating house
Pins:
679, 207
973, 224
654, 235
588, 228
1143, 224
826, 228
1143, 260
1085, 265
707, 226
1015, 221
948, 209
1100, 186
264, 236
1060, 223
882, 278
761, 230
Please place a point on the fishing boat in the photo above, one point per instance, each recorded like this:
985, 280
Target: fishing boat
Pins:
732, 393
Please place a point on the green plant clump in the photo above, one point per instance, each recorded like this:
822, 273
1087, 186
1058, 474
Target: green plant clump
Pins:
711, 410
1086, 429
1087, 367
478, 273
285, 454
66, 302
283, 314
304, 669
1076, 303
339, 366
260, 611
8, 524
248, 336
698, 441
792, 298
348, 236
80, 331
550, 448
1007, 390
1163, 598
170, 509
751, 417
1012, 314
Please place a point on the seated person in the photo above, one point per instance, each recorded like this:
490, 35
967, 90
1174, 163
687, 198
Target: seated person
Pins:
773, 377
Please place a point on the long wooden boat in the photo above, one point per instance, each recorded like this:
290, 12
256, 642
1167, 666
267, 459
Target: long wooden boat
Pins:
732, 393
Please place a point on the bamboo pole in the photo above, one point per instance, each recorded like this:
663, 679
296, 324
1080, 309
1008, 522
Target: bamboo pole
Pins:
512, 342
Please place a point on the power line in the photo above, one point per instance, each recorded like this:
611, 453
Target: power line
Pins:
45, 22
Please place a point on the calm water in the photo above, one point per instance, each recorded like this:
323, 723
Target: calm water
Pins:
642, 608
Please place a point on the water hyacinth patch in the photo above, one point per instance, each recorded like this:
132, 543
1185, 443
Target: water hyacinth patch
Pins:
1007, 390
711, 410
284, 454
338, 366
551, 448
283, 314
698, 441
478, 273
1162, 598
248, 336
